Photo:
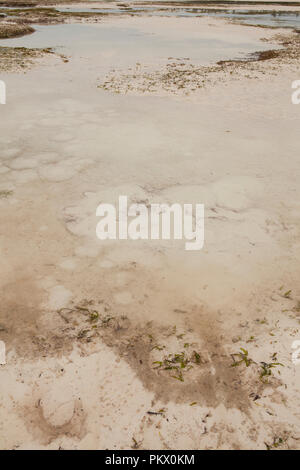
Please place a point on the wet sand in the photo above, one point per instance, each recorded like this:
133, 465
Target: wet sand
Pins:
90, 326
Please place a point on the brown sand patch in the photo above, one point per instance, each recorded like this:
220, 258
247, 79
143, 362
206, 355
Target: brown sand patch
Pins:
183, 365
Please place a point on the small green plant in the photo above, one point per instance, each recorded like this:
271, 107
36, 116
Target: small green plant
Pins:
94, 315
179, 376
179, 363
159, 348
266, 368
243, 357
287, 294
277, 442
196, 357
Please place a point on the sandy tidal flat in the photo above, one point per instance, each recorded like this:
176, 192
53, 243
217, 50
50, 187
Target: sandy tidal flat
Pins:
101, 335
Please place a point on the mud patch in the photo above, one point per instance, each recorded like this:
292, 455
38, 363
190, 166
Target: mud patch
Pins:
190, 365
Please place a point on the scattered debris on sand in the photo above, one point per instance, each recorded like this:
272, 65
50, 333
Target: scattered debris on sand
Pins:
19, 58
181, 76
43, 15
13, 30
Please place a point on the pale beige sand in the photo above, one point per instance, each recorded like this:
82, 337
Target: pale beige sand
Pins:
66, 146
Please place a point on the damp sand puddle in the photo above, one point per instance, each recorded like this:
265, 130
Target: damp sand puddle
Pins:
125, 43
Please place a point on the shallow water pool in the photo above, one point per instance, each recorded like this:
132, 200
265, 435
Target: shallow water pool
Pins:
119, 45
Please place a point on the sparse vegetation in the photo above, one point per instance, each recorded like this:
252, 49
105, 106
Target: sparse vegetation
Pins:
178, 363
242, 358
5, 194
20, 58
277, 442
287, 294
267, 368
